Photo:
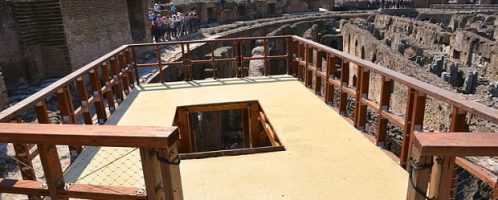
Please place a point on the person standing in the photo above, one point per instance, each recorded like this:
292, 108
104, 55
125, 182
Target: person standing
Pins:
158, 23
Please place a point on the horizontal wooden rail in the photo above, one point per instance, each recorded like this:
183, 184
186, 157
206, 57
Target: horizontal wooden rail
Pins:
113, 136
452, 98
457, 144
158, 152
219, 40
440, 150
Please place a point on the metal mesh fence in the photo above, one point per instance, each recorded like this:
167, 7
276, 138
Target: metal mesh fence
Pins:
106, 166
469, 187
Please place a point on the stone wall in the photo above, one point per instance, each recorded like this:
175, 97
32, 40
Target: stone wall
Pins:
94, 27
362, 43
4, 100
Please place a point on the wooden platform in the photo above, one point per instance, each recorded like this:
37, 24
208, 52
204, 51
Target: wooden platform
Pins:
325, 157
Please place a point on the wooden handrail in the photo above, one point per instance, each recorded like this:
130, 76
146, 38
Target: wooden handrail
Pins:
440, 150
112, 136
457, 144
452, 98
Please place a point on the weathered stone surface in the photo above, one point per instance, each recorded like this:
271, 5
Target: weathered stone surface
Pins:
4, 100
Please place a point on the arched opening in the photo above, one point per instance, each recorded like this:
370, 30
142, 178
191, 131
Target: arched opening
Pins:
354, 80
349, 43
362, 53
374, 58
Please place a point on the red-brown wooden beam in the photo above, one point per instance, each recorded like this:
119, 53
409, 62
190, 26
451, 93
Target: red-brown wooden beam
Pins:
386, 89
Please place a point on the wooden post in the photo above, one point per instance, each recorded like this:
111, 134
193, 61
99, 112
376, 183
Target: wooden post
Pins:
329, 88
362, 93
185, 132
414, 119
291, 64
318, 68
254, 110
152, 174
188, 65
343, 101
267, 51
213, 63
129, 69
442, 176
134, 64
170, 173
98, 95
246, 124
67, 113
387, 87
309, 73
108, 92
458, 123
83, 96
123, 74
160, 61
301, 57
117, 86
52, 169
41, 112
420, 177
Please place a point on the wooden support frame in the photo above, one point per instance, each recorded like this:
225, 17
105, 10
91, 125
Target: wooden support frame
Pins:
387, 87
344, 83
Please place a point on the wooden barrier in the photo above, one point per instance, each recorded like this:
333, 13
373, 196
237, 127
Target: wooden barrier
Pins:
113, 76
157, 147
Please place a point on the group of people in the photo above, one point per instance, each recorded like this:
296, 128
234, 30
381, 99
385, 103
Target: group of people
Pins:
173, 25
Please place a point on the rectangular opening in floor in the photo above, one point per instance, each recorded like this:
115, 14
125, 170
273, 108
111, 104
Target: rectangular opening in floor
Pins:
224, 129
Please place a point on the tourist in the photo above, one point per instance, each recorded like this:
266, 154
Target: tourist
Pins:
172, 26
159, 32
167, 29
173, 8
157, 7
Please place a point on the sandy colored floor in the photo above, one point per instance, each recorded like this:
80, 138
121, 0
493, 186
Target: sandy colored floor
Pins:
325, 157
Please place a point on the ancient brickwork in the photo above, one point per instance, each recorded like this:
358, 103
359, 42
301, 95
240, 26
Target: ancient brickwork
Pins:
4, 100
94, 28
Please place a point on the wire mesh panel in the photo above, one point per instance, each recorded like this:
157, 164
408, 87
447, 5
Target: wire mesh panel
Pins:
469, 187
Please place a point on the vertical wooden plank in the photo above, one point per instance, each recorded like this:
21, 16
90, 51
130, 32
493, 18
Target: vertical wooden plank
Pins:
41, 112
290, 56
318, 79
305, 67
242, 72
329, 88
458, 123
413, 122
129, 68
189, 64
419, 178
356, 116
160, 62
134, 64
98, 95
309, 62
386, 89
185, 132
152, 174
67, 112
254, 110
83, 96
108, 91
343, 98
363, 94
170, 173
441, 179
213, 62
122, 73
246, 125
24, 161
266, 48
52, 169
117, 86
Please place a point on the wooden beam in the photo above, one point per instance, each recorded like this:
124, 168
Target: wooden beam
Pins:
99, 192
218, 106
151, 168
52, 169
113, 136
457, 144
27, 187
98, 95
386, 89
441, 178
254, 114
186, 140
246, 123
170, 173
343, 99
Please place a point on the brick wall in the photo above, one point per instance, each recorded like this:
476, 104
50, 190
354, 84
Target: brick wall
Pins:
10, 52
94, 27
4, 101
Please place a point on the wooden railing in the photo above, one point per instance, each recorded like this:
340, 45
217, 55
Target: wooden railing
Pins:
433, 161
119, 70
417, 92
158, 150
